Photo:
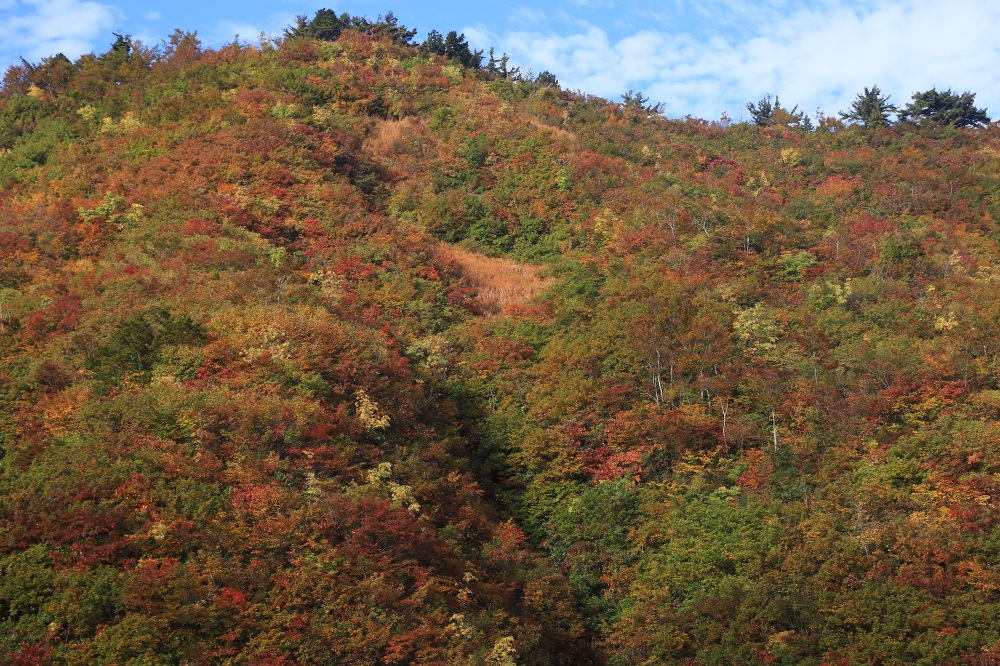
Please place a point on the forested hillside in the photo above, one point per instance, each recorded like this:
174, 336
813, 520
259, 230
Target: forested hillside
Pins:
342, 350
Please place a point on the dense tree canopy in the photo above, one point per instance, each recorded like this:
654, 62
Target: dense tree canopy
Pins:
871, 109
938, 107
346, 351
452, 46
326, 25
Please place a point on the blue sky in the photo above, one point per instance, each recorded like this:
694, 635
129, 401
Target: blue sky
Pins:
698, 57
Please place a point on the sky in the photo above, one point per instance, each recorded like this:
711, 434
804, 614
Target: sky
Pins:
703, 58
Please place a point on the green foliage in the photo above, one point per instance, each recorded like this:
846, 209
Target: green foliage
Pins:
454, 47
793, 265
636, 100
28, 137
137, 344
327, 26
475, 151
18, 117
945, 108
590, 532
547, 79
899, 250
871, 109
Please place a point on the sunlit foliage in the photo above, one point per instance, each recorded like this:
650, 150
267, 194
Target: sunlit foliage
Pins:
338, 349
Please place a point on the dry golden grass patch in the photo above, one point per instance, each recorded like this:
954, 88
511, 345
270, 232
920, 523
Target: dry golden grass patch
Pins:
499, 283
557, 131
390, 138
403, 147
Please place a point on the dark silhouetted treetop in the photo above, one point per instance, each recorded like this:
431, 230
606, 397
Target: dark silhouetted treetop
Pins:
434, 43
945, 108
453, 47
387, 26
547, 79
326, 25
121, 50
765, 114
762, 111
871, 109
636, 100
500, 67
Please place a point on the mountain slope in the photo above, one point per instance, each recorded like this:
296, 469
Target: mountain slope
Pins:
718, 394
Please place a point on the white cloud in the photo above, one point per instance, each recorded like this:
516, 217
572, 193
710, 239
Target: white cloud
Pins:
224, 31
815, 56
526, 16
152, 16
227, 30
40, 28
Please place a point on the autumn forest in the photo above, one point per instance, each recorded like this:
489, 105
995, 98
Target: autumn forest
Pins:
341, 348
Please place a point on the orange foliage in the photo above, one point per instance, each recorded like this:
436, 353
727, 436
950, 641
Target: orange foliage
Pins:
557, 131
390, 137
499, 283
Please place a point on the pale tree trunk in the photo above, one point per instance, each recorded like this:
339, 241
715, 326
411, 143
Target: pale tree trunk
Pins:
774, 429
724, 407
